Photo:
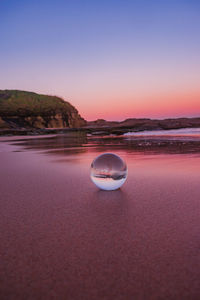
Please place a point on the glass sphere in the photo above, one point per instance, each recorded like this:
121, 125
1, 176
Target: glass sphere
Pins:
108, 171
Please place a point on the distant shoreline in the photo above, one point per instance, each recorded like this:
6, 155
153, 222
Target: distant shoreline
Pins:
111, 128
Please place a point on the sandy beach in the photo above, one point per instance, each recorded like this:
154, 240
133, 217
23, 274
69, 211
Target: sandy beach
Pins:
62, 238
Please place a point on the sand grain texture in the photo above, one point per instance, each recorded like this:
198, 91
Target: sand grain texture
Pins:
62, 238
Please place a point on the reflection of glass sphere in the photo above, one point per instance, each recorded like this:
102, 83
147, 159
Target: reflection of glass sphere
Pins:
108, 171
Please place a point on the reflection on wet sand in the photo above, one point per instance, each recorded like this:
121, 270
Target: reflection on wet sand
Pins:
76, 143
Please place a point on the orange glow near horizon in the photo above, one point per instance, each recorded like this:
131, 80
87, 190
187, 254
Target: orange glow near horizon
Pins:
159, 106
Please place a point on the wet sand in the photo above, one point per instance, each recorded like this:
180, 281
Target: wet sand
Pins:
62, 238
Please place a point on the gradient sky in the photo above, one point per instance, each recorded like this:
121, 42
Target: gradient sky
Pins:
112, 59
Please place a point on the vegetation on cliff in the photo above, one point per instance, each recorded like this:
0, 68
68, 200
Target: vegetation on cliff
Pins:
27, 109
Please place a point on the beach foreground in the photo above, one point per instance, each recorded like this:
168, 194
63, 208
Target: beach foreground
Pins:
62, 238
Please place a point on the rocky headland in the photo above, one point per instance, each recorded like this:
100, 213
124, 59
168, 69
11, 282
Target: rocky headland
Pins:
22, 110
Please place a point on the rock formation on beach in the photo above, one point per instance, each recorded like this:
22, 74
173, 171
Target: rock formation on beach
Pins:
143, 124
22, 109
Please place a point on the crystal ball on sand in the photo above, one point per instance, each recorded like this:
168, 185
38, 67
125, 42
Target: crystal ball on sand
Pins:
108, 171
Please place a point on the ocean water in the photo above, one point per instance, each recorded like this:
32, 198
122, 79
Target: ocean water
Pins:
190, 132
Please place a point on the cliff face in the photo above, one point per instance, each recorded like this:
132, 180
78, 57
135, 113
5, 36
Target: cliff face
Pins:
20, 109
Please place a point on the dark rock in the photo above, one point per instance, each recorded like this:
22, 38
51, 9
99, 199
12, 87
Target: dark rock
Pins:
136, 125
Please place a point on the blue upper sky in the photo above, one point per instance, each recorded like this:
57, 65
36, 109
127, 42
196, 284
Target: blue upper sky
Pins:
98, 52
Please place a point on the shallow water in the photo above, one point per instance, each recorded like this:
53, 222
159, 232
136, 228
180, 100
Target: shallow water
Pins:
156, 142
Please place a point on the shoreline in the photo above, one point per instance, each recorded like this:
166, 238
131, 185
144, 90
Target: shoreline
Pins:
104, 130
80, 141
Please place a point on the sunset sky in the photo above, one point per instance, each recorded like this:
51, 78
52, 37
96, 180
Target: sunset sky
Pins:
112, 59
